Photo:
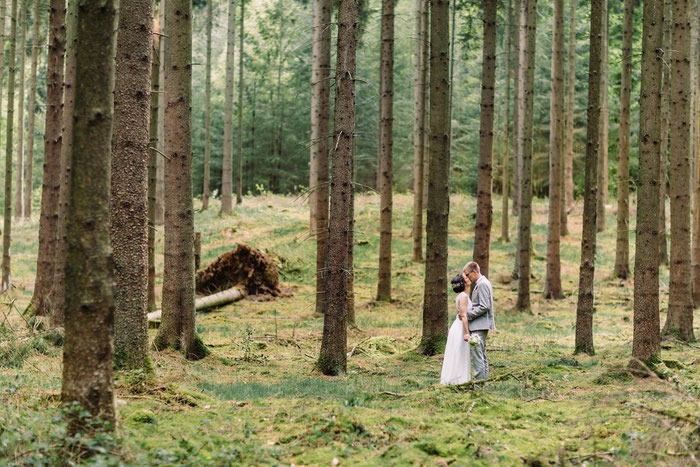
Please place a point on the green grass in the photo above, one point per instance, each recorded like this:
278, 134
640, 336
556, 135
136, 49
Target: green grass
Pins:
257, 400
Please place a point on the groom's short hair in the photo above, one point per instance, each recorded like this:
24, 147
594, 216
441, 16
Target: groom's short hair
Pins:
471, 266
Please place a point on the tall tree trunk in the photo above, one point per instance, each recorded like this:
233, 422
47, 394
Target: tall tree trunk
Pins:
584, 307
518, 45
351, 246
87, 351
484, 206
552, 287
645, 339
435, 288
239, 184
52, 154
570, 106
622, 250
177, 329
58, 293
160, 169
505, 180
332, 359
153, 157
679, 320
7, 225
29, 158
528, 21
129, 200
603, 139
665, 122
320, 128
696, 211
386, 97
227, 167
207, 111
426, 96
418, 135
19, 190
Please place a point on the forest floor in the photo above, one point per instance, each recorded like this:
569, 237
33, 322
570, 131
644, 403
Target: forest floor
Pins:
258, 400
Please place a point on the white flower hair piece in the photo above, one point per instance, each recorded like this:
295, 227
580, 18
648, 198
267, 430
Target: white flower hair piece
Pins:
474, 340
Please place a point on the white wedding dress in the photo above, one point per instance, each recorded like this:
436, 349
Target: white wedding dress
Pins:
457, 364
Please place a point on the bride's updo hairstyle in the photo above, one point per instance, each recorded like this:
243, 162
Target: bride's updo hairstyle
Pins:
458, 283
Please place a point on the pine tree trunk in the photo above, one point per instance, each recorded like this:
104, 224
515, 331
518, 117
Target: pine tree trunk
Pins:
568, 169
19, 189
622, 250
603, 139
153, 161
584, 306
58, 293
227, 166
351, 250
696, 211
29, 159
418, 135
178, 328
239, 184
679, 319
552, 288
129, 199
89, 314
484, 204
332, 359
435, 291
518, 44
320, 129
505, 180
386, 97
52, 155
645, 340
7, 224
665, 122
207, 111
160, 169
426, 105
528, 21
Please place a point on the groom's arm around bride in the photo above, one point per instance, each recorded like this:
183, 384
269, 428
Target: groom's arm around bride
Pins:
480, 317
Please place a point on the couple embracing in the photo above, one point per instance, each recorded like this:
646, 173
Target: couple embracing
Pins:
466, 341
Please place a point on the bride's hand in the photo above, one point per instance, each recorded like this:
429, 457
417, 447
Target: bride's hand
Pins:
466, 337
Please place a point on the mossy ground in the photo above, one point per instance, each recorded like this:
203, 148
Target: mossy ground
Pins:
256, 399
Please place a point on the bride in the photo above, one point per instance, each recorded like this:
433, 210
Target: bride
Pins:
456, 366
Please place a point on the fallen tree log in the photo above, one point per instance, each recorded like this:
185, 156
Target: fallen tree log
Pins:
210, 301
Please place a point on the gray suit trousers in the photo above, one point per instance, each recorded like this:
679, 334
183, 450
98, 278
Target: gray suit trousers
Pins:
480, 365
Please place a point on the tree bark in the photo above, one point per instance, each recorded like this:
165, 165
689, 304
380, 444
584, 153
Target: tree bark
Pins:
129, 197
52, 155
645, 339
227, 166
350, 321
552, 287
570, 107
386, 97
89, 313
426, 97
418, 135
178, 328
153, 157
518, 45
7, 224
160, 168
603, 140
622, 250
505, 178
435, 288
207, 109
58, 294
679, 320
696, 211
528, 21
484, 204
29, 159
19, 182
584, 306
332, 359
665, 122
320, 128
239, 184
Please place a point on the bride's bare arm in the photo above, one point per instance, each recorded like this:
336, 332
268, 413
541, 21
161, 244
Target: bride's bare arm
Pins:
463, 304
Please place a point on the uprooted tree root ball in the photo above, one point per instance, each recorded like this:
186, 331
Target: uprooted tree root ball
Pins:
246, 267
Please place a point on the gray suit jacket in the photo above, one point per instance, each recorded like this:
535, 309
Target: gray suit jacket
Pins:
481, 315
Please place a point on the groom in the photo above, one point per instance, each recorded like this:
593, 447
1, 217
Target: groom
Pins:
480, 317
